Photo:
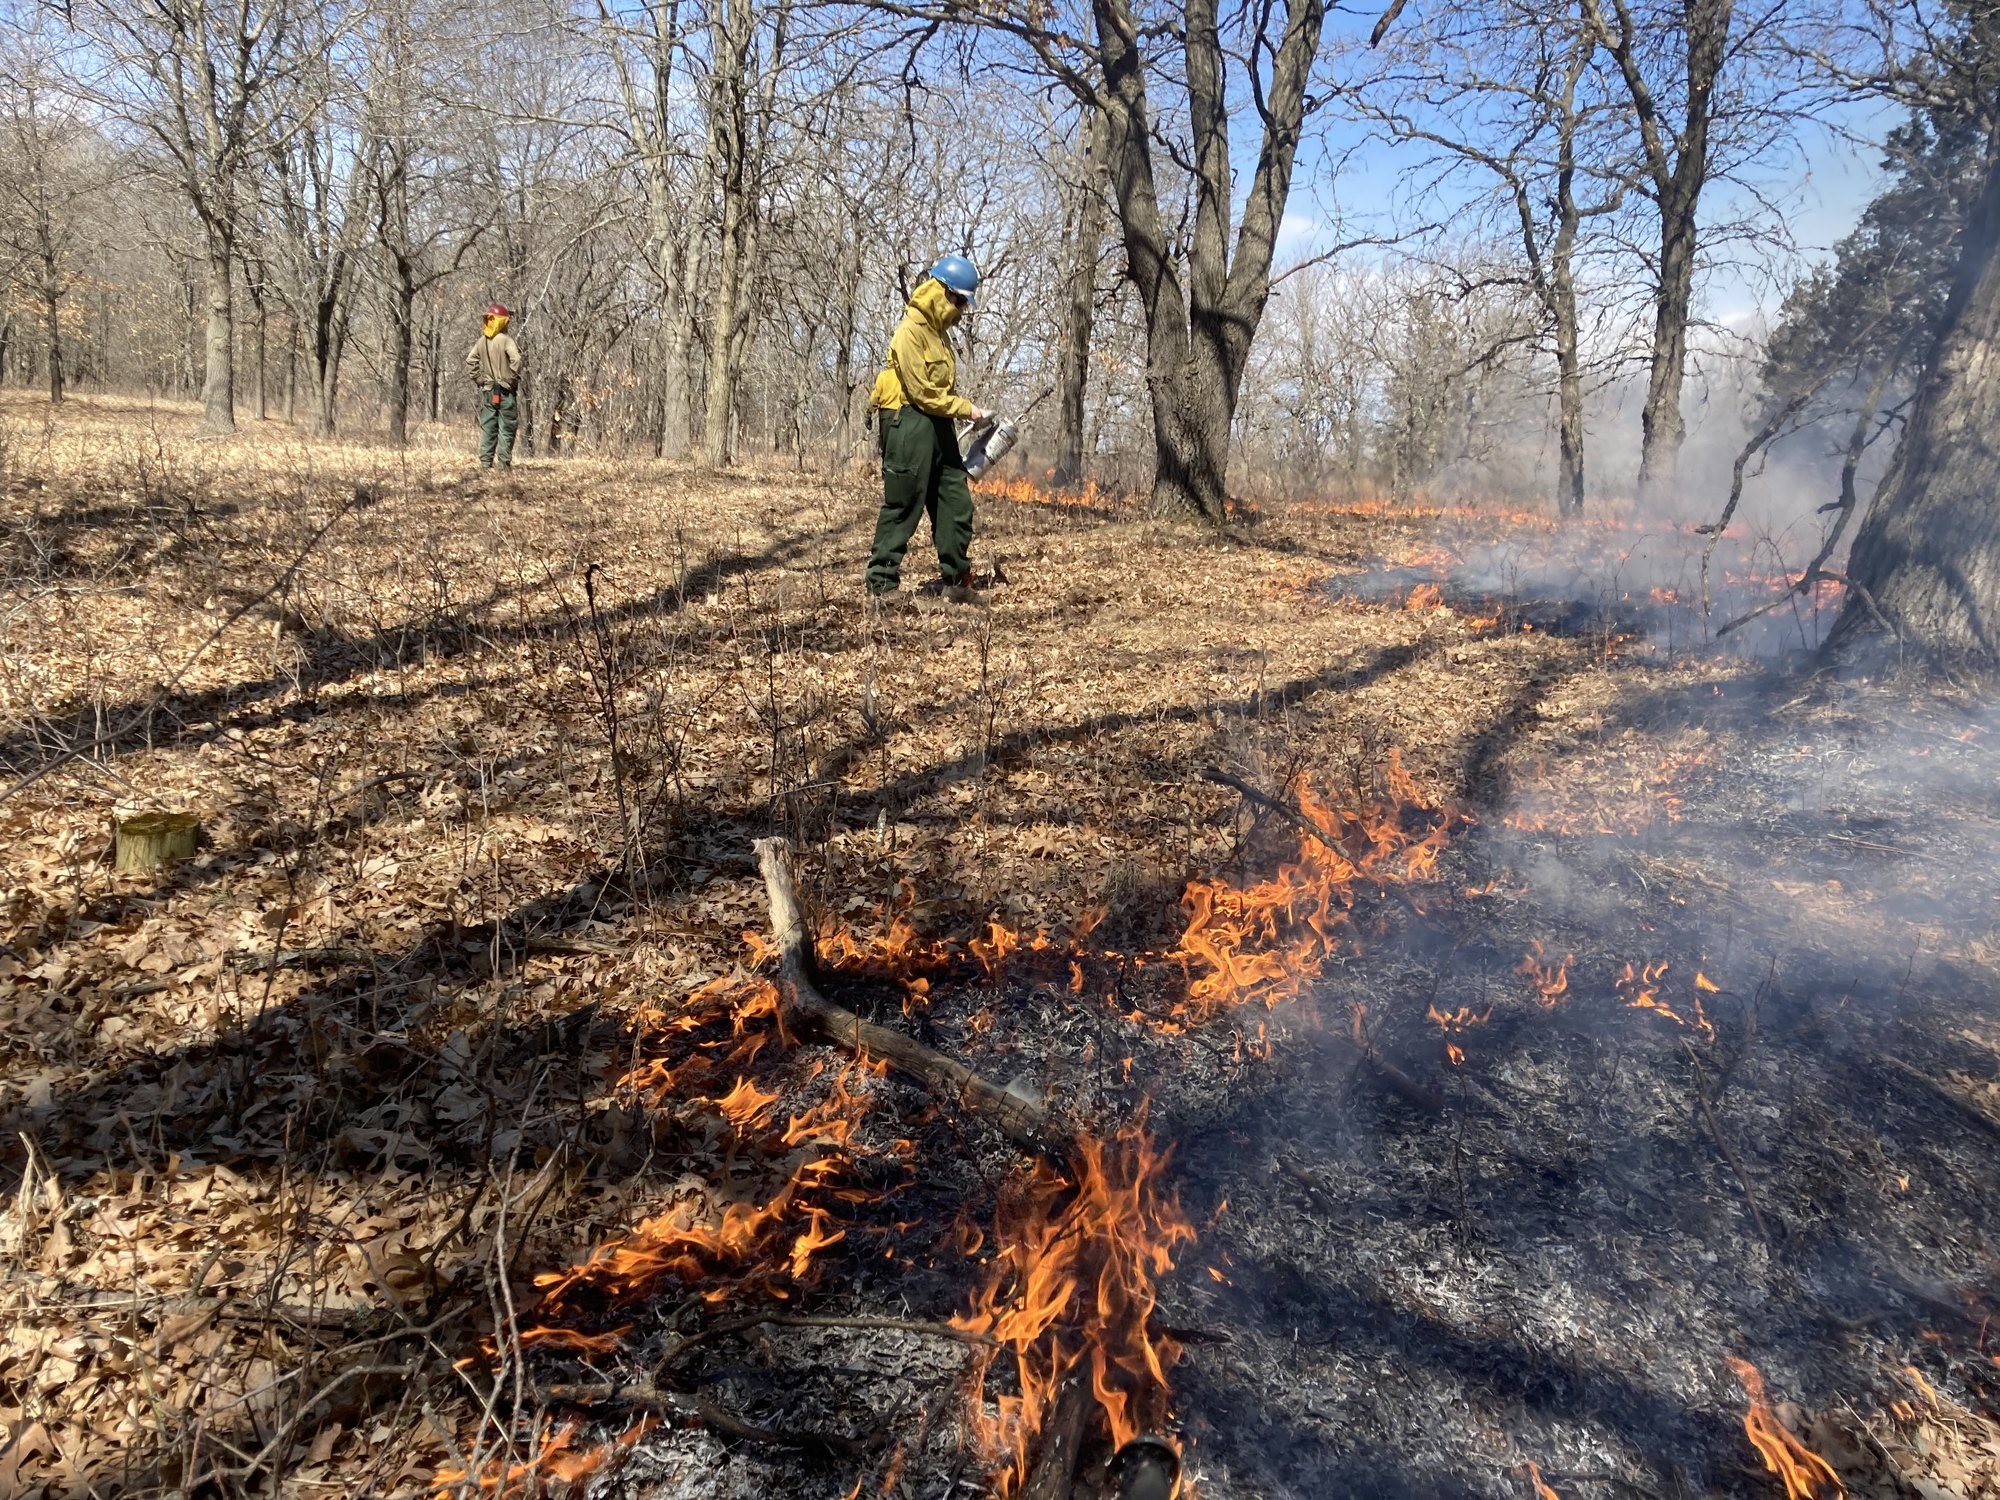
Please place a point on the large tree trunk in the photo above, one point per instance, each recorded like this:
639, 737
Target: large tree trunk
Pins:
218, 386
1926, 562
263, 360
1676, 161
1193, 407
730, 34
292, 371
1080, 305
1662, 428
1569, 425
1199, 331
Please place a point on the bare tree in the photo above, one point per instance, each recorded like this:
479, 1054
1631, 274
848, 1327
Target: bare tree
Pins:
318, 208
1706, 97
746, 45
1202, 299
1508, 90
1083, 247
200, 79
52, 170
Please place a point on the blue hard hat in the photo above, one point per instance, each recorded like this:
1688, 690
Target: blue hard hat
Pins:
958, 274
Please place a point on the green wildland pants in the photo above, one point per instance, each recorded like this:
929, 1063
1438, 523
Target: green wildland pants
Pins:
496, 426
922, 474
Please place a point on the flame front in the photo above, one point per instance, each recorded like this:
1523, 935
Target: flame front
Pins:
1073, 1289
1804, 1474
1550, 981
1267, 941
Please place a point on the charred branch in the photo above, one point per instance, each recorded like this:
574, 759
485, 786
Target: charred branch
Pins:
1023, 1122
698, 1412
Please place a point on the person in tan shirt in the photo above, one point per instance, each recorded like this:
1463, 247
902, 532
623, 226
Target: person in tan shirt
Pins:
494, 363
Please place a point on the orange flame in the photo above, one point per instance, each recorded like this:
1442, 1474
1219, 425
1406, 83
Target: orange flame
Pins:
1640, 989
1074, 1288
746, 1106
558, 1459
1267, 941
1550, 981
1804, 1474
1024, 491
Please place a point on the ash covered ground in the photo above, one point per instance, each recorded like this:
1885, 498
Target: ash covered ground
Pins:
1616, 1198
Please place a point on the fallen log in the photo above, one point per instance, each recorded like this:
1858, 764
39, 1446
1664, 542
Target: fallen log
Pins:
1020, 1120
1053, 1476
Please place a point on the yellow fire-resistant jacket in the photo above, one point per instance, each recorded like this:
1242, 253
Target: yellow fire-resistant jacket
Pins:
922, 370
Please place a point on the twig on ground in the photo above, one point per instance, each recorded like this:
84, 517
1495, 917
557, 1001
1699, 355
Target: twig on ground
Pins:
696, 1409
1308, 827
1020, 1120
1728, 1155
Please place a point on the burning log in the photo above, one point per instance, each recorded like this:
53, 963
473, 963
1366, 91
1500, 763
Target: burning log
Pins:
1054, 1473
1021, 1120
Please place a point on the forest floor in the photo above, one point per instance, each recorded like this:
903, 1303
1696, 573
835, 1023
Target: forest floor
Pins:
430, 1130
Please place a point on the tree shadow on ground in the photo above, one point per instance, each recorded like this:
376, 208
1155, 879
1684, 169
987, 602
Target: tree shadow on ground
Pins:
330, 658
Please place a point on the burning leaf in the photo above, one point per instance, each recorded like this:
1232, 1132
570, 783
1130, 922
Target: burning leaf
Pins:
1802, 1472
746, 1106
1264, 943
1550, 981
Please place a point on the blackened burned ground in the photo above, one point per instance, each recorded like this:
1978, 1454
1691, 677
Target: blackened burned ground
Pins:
1555, 1268
1383, 1301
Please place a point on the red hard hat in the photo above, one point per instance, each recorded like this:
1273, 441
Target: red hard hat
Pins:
498, 310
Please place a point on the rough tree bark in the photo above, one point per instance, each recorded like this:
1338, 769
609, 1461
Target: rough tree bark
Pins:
218, 384
654, 34
1926, 561
1199, 326
1085, 239
735, 143
52, 318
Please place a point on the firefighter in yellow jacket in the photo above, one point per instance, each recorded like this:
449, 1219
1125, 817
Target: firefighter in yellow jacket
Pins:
917, 401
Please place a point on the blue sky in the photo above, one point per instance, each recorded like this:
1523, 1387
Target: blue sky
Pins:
1820, 188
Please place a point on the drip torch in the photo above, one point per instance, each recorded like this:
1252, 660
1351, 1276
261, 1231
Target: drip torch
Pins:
990, 440
1146, 1468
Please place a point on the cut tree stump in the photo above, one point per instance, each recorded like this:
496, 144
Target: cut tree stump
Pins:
151, 840
1020, 1120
